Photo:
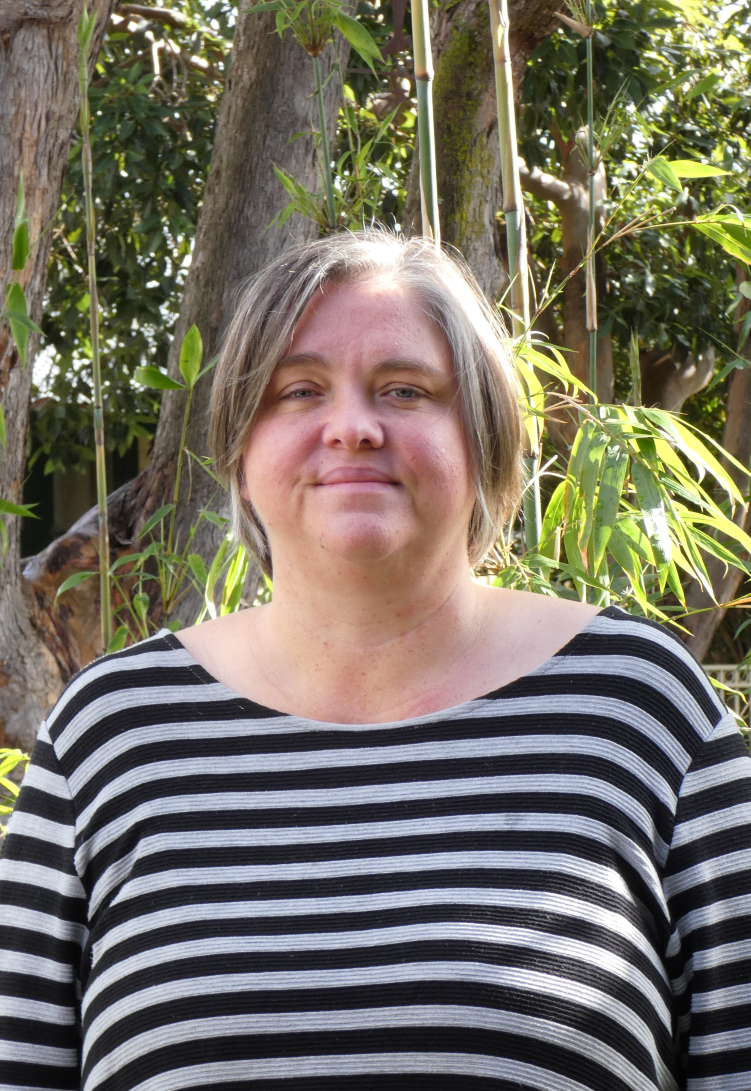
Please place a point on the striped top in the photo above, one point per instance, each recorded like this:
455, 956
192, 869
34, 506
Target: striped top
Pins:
546, 888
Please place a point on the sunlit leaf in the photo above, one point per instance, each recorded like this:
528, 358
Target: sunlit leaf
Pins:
689, 168
611, 487
155, 379
661, 169
191, 353
652, 511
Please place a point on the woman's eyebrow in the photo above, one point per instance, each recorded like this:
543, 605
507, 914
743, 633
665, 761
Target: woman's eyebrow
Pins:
417, 366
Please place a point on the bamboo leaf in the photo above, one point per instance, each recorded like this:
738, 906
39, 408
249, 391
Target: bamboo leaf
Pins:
609, 498
7, 508
674, 583
20, 250
18, 318
689, 168
119, 638
652, 512
591, 466
624, 555
358, 37
198, 568
155, 379
552, 521
635, 365
191, 353
660, 168
157, 517
73, 581
690, 444
703, 87
3, 435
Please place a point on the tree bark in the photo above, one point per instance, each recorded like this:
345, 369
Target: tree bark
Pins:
268, 98
570, 195
467, 149
725, 582
38, 110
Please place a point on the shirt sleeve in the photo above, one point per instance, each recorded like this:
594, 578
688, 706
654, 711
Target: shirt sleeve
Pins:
708, 887
42, 931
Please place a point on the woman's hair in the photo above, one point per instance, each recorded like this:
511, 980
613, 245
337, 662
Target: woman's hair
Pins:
268, 310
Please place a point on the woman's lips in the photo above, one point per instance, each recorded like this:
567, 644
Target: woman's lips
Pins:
356, 475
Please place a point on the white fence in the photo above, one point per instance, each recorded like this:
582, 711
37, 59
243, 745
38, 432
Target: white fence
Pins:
738, 682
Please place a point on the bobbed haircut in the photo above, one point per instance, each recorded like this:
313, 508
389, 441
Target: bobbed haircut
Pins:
271, 304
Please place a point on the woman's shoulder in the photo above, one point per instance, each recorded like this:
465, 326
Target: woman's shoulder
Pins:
150, 673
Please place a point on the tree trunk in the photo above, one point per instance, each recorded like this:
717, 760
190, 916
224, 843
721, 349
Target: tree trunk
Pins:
268, 97
467, 149
726, 583
570, 195
38, 110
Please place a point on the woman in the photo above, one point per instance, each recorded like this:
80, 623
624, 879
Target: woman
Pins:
396, 829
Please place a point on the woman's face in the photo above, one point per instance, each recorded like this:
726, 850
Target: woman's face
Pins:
359, 450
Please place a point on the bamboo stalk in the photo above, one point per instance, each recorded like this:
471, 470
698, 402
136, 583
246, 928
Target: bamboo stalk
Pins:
85, 30
516, 239
425, 127
325, 153
513, 202
591, 298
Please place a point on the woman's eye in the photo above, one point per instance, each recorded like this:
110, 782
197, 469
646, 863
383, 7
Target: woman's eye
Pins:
298, 395
405, 393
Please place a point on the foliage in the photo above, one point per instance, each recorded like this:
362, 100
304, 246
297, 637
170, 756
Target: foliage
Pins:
11, 761
672, 83
635, 509
154, 102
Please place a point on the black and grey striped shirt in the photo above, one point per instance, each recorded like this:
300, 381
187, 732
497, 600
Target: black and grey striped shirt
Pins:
546, 888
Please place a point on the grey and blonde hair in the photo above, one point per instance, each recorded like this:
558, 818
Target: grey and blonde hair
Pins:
269, 308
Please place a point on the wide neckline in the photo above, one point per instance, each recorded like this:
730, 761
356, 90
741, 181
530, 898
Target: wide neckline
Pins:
255, 707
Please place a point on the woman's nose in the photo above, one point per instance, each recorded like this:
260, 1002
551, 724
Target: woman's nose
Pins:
352, 422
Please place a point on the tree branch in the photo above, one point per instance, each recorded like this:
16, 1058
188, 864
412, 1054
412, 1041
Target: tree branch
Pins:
166, 16
543, 185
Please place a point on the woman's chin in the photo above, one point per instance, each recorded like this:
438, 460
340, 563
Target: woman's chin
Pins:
364, 541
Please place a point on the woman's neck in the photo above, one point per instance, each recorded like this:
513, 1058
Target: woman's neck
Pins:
370, 643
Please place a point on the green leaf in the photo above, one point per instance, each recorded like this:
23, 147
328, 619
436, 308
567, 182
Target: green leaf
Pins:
191, 353
635, 366
552, 521
624, 554
588, 480
155, 379
732, 365
119, 637
73, 581
661, 169
689, 168
3, 437
18, 317
652, 511
157, 517
7, 508
141, 603
703, 87
198, 568
21, 229
608, 500
729, 233
85, 29
358, 37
